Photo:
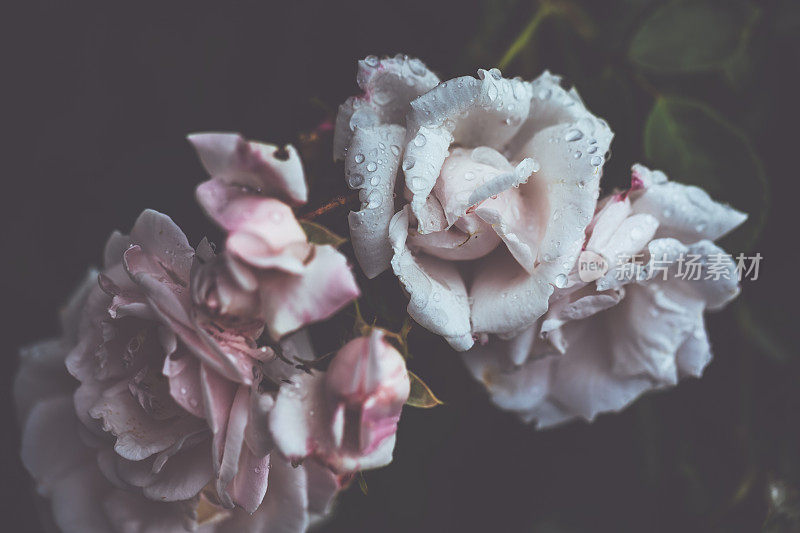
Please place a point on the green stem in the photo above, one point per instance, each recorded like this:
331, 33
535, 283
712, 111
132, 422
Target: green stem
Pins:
546, 8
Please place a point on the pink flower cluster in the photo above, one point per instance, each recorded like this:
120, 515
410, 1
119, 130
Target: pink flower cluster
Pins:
187, 408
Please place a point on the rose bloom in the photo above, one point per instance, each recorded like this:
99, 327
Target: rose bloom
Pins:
610, 336
499, 181
346, 417
167, 426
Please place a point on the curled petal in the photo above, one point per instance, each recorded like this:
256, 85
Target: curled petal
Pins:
326, 285
238, 167
454, 244
184, 383
371, 166
438, 294
250, 483
550, 105
684, 212
346, 417
486, 111
389, 84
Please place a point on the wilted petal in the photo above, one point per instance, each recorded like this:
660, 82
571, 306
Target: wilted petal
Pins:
246, 167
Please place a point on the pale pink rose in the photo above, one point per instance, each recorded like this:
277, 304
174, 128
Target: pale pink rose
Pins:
604, 342
345, 417
500, 179
269, 269
93, 489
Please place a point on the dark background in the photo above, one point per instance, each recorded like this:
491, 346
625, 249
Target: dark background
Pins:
102, 95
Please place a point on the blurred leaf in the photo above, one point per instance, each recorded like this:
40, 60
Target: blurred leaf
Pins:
421, 395
319, 234
569, 11
692, 36
545, 9
761, 334
693, 144
362, 483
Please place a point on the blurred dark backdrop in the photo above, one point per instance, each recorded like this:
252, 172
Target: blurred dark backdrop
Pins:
103, 93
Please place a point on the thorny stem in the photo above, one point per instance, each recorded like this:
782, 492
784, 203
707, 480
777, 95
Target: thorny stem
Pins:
336, 203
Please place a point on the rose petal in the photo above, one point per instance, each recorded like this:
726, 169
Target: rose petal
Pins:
389, 84
233, 161
438, 294
371, 166
684, 212
324, 288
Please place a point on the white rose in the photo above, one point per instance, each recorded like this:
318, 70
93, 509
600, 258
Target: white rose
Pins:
500, 179
637, 327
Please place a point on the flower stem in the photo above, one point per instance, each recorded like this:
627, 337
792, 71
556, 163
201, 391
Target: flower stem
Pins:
336, 203
545, 8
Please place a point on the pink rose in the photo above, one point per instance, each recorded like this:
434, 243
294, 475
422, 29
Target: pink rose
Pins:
94, 481
347, 416
269, 269
500, 179
170, 412
636, 327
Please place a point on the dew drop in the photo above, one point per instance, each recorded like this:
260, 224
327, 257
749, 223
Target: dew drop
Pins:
372, 166
420, 140
596, 161
573, 135
417, 67
359, 158
375, 199
356, 180
372, 61
561, 281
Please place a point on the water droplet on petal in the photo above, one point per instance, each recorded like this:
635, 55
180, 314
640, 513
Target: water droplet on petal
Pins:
359, 158
356, 180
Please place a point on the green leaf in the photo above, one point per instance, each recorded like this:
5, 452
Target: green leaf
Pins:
319, 234
421, 395
686, 36
362, 483
693, 144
